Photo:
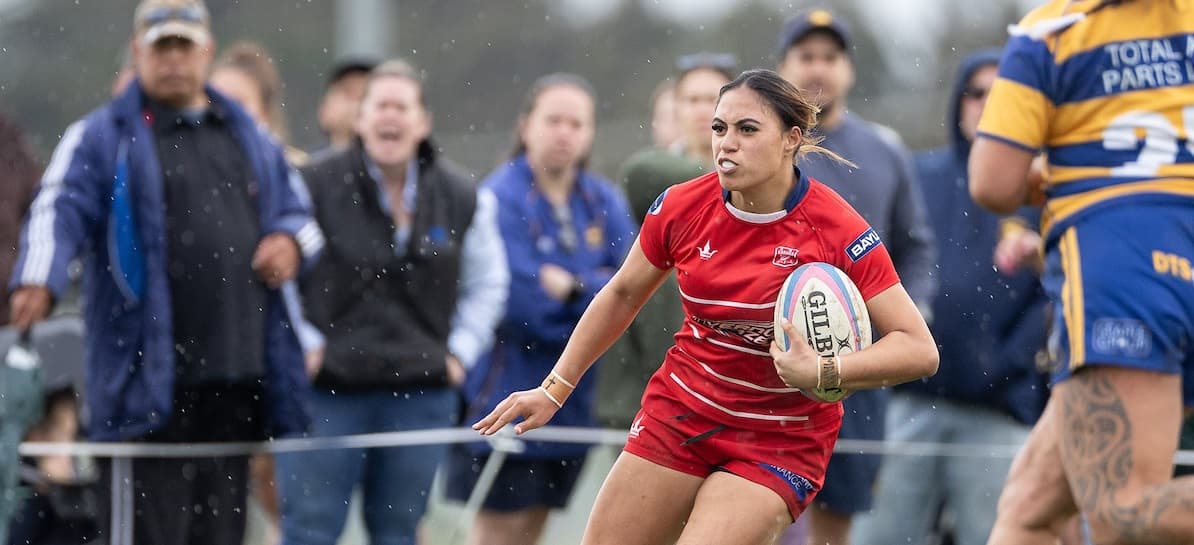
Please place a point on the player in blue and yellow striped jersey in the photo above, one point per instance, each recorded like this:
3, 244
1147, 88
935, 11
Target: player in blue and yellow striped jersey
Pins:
1105, 89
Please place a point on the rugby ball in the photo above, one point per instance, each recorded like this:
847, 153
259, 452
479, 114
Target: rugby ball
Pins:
828, 311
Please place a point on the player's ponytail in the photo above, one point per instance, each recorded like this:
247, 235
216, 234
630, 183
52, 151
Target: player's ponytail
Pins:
792, 107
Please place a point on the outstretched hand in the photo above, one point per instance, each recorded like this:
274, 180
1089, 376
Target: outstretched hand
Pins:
532, 406
797, 366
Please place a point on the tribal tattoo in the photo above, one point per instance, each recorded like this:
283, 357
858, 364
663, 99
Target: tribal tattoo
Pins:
1099, 454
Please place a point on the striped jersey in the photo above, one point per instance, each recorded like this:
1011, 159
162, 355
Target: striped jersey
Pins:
730, 265
1107, 92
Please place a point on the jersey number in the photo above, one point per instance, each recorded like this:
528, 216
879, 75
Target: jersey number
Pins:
1160, 140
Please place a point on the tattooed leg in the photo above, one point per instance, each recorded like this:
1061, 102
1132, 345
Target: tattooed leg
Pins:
1118, 438
1035, 504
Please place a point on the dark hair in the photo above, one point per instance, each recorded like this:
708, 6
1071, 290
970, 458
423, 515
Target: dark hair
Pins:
558, 79
252, 60
348, 66
395, 68
792, 107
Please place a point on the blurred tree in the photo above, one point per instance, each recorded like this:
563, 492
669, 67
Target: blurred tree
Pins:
59, 57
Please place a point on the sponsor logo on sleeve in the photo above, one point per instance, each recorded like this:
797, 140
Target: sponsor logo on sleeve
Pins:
867, 241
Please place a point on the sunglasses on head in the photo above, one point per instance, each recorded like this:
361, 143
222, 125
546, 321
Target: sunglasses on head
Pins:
723, 62
976, 93
157, 16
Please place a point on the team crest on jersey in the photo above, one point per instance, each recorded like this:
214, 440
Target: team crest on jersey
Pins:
756, 332
785, 257
657, 206
867, 241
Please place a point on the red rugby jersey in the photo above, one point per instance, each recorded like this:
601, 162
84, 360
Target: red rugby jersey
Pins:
730, 265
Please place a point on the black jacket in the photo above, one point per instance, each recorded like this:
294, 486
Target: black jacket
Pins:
386, 317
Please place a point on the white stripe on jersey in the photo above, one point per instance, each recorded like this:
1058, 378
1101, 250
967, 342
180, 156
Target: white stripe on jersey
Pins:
738, 348
740, 414
750, 385
732, 304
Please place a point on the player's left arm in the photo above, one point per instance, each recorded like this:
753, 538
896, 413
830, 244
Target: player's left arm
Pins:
905, 351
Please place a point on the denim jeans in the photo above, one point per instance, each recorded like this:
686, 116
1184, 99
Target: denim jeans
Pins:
315, 486
913, 491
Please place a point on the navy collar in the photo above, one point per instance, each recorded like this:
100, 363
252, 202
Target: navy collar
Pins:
794, 197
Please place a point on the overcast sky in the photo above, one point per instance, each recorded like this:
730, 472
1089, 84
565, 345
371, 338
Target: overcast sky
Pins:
906, 28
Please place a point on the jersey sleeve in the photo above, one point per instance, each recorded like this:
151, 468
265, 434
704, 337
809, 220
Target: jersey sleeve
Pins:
653, 237
866, 260
1019, 104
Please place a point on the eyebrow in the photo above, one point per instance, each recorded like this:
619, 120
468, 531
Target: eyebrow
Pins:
740, 121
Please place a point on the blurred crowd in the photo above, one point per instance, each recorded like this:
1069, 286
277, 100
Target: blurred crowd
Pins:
235, 288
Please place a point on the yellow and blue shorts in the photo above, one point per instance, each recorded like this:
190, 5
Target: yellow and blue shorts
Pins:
1122, 286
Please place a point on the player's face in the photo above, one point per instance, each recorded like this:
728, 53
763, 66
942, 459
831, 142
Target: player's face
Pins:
558, 131
818, 65
974, 97
696, 97
393, 121
172, 70
750, 144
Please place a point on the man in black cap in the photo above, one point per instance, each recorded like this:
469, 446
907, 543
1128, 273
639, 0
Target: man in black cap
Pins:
342, 98
815, 55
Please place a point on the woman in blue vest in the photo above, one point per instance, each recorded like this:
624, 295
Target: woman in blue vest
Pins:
566, 231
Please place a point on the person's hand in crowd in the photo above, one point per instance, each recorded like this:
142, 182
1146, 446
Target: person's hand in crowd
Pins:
1018, 247
533, 406
556, 281
456, 371
313, 361
29, 305
276, 259
798, 366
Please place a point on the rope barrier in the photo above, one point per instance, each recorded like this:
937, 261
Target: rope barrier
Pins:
504, 443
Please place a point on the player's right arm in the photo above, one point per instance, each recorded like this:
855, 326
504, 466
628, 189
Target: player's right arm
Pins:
68, 205
606, 318
1013, 127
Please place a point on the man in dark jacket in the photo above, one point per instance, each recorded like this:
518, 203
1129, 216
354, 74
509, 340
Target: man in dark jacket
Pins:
989, 327
815, 55
410, 289
188, 220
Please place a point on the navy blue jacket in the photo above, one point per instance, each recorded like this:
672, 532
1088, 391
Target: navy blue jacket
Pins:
102, 198
988, 326
536, 327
